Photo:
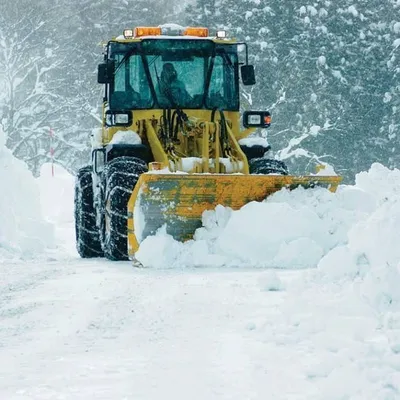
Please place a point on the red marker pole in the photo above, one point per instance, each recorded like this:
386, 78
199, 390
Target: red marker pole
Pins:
52, 151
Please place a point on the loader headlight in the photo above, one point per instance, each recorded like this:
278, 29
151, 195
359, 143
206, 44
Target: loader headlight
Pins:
121, 119
118, 118
256, 119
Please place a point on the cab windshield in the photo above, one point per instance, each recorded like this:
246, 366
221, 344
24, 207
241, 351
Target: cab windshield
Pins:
172, 73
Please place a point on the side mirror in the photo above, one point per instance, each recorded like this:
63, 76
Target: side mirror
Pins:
248, 75
98, 160
256, 119
105, 72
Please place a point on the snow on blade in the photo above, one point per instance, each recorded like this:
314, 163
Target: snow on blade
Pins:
290, 229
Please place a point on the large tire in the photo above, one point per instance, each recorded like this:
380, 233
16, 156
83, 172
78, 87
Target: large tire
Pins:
265, 166
87, 235
119, 179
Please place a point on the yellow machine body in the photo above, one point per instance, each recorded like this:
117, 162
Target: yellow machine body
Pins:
176, 195
200, 167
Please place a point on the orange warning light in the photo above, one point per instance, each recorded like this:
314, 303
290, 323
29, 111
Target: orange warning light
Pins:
201, 32
147, 31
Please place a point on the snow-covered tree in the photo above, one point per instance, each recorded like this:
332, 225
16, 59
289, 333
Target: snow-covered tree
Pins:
49, 51
25, 101
328, 73
327, 70
31, 103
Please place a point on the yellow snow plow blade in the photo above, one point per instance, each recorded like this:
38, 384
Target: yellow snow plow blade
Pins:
178, 200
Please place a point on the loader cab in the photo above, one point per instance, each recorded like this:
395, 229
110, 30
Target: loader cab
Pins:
205, 74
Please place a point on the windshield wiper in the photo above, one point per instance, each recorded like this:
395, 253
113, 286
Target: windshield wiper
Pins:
153, 60
208, 78
127, 55
227, 59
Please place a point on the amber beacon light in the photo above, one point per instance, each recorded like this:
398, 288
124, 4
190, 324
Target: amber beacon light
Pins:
201, 32
147, 31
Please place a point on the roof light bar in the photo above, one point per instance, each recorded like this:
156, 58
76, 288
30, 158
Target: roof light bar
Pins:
157, 31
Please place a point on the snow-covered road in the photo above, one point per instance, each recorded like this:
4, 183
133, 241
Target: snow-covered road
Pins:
102, 330
92, 329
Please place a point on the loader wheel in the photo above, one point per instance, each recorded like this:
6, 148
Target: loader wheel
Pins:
87, 235
265, 166
119, 178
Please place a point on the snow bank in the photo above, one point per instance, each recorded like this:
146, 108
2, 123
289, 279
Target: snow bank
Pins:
56, 193
23, 232
371, 254
57, 188
349, 307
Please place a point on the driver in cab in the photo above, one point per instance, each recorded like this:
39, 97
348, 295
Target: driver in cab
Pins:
171, 91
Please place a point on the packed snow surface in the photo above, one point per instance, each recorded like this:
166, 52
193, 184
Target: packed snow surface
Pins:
309, 308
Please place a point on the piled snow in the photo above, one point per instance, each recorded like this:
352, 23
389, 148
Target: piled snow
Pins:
371, 252
56, 193
350, 305
57, 202
23, 231
291, 229
351, 234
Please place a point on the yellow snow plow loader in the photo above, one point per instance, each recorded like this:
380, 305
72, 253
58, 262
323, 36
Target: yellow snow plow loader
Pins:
171, 144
